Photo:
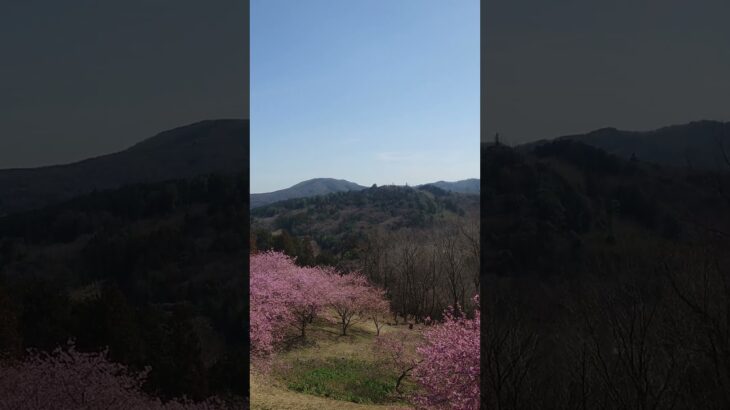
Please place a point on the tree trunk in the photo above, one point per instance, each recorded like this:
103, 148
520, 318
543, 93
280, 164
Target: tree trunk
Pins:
377, 327
397, 383
400, 379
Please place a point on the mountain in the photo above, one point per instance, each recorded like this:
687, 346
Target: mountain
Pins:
305, 189
697, 143
465, 186
206, 147
324, 186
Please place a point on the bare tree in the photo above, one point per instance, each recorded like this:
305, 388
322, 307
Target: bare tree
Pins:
701, 286
626, 348
453, 268
471, 234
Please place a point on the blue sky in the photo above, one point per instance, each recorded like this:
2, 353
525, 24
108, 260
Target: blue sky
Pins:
376, 91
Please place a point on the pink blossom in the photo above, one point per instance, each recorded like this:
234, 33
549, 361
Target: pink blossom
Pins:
67, 379
449, 370
269, 292
354, 298
285, 296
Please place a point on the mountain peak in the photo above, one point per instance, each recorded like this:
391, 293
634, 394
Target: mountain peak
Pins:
204, 147
197, 132
310, 187
604, 130
322, 181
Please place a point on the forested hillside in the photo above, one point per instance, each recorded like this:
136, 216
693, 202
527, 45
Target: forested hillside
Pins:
154, 271
698, 144
421, 244
566, 200
603, 281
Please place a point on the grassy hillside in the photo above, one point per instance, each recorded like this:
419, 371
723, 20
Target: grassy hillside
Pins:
267, 396
331, 372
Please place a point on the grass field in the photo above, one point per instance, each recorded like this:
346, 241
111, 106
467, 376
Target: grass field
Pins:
330, 371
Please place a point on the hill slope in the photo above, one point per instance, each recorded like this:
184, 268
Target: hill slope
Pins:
565, 200
337, 223
206, 147
697, 143
138, 269
465, 186
305, 189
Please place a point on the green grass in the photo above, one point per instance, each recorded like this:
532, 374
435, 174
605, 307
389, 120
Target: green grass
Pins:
341, 379
331, 372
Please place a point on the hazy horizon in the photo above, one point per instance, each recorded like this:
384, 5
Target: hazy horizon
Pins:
378, 92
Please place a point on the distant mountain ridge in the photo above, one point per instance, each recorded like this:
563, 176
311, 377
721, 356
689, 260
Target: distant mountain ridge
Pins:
464, 186
324, 186
304, 189
205, 147
697, 144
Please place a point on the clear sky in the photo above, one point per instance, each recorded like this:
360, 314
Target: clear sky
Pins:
377, 91
563, 67
84, 78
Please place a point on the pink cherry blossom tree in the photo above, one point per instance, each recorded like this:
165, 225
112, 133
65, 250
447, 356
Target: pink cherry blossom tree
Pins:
284, 296
354, 298
378, 308
68, 379
269, 294
449, 370
313, 289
